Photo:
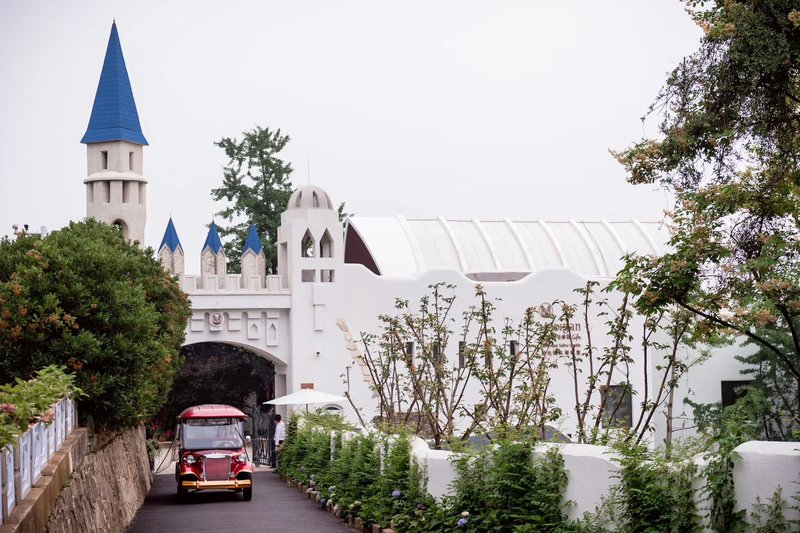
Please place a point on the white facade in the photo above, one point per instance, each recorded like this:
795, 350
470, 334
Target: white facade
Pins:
308, 318
333, 282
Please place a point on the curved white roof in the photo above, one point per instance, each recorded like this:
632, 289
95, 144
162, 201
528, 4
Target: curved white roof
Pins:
402, 247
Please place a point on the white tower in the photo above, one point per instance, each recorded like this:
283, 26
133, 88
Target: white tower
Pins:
310, 261
115, 187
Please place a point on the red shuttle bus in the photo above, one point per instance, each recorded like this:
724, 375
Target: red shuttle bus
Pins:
211, 451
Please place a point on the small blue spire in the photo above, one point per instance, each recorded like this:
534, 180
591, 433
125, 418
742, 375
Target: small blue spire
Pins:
114, 116
170, 240
212, 240
253, 241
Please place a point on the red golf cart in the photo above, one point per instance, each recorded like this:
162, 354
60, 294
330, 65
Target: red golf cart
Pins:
211, 451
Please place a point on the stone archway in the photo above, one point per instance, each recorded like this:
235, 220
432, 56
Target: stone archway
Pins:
215, 372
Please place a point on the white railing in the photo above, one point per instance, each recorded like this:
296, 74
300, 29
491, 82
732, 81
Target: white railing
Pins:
23, 462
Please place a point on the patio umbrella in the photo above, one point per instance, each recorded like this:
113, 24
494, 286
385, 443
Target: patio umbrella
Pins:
306, 397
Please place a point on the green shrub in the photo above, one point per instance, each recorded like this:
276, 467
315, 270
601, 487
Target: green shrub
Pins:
25, 402
84, 298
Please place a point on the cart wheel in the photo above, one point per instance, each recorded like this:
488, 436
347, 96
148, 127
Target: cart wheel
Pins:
247, 494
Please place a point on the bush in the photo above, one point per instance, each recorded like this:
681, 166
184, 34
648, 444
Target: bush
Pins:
28, 402
85, 298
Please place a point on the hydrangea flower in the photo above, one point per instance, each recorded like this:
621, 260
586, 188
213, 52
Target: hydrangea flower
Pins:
396, 493
462, 522
465, 514
9, 408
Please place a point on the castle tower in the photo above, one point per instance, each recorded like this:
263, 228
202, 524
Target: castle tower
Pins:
213, 263
254, 263
170, 251
115, 188
310, 263
310, 240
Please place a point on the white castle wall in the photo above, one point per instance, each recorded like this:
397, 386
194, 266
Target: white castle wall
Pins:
366, 296
760, 468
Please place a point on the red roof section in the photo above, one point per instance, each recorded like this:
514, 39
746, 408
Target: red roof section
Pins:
211, 410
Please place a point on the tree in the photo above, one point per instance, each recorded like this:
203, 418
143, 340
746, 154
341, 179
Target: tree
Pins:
257, 188
728, 151
85, 298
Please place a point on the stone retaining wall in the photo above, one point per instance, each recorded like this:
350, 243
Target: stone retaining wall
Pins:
108, 488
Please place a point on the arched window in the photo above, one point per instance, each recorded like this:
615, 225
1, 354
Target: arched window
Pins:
307, 245
122, 227
326, 245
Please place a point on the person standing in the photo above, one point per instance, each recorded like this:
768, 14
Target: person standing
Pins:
277, 439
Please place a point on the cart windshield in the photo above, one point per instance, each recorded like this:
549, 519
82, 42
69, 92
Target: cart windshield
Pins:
205, 433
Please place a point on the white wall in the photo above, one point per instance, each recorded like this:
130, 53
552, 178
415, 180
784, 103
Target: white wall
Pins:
760, 468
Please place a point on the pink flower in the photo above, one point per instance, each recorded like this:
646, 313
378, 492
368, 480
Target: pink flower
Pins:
9, 408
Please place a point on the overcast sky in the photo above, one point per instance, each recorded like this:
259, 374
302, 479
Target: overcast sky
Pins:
420, 108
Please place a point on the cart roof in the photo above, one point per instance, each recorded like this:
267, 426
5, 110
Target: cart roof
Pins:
211, 410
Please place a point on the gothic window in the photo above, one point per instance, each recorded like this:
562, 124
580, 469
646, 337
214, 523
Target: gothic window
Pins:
307, 245
326, 245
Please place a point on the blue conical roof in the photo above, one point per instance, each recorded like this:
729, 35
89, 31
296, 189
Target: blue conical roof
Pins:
114, 116
253, 241
170, 239
212, 240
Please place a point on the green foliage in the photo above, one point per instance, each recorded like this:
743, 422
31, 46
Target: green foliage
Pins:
514, 486
655, 494
26, 402
774, 393
728, 151
256, 188
770, 517
85, 298
511, 489
725, 429
423, 390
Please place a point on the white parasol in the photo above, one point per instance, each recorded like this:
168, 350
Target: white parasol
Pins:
306, 397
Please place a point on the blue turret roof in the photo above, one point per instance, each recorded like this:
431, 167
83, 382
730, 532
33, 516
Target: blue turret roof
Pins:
212, 240
170, 239
253, 241
114, 116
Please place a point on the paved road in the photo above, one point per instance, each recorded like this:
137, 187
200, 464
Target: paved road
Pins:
274, 508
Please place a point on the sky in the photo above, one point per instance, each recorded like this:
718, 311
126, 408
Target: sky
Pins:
449, 108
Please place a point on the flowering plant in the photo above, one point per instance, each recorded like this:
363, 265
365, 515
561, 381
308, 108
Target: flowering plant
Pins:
26, 402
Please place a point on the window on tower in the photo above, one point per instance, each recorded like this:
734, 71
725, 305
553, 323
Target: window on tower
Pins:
104, 160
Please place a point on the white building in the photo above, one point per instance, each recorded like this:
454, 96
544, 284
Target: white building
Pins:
332, 282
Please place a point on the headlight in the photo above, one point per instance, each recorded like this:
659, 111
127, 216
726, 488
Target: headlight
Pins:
190, 459
241, 458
